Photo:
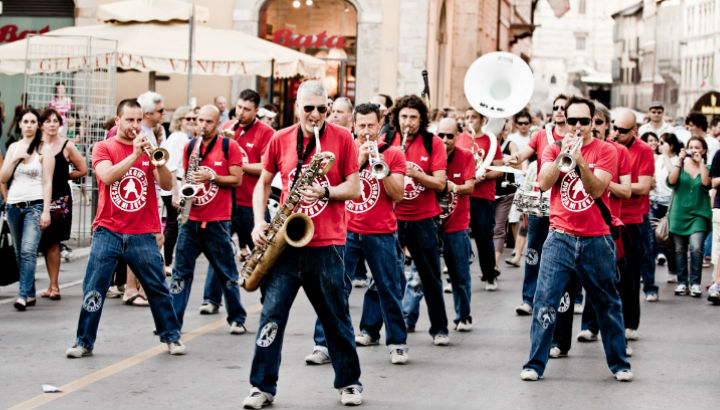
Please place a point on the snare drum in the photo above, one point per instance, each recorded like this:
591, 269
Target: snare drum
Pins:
532, 202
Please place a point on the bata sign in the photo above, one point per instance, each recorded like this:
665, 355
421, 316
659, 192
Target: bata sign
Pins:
285, 37
9, 33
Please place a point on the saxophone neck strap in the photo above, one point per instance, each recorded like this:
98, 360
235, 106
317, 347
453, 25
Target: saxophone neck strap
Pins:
302, 156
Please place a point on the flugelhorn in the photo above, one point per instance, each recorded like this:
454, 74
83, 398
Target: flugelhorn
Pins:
378, 168
158, 156
565, 161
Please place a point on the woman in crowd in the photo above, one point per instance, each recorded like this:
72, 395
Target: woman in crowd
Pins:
652, 140
27, 171
62, 103
65, 153
660, 195
690, 216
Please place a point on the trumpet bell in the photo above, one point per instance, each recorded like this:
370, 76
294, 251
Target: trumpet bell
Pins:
565, 162
379, 170
159, 157
498, 84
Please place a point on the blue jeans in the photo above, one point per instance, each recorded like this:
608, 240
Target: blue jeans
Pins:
695, 241
214, 241
482, 223
630, 268
141, 253
538, 228
456, 251
421, 239
24, 226
657, 211
320, 271
648, 257
592, 259
411, 299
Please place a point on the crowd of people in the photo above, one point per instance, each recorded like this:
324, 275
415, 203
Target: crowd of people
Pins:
406, 187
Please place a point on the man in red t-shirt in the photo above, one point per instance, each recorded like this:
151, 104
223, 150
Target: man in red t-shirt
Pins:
317, 267
124, 227
252, 136
578, 244
215, 166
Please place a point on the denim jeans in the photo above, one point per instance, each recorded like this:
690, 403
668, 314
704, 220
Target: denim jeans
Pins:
648, 257
320, 271
214, 241
592, 259
562, 336
630, 268
482, 223
538, 228
411, 299
24, 226
657, 211
456, 251
695, 241
421, 239
171, 230
141, 253
318, 332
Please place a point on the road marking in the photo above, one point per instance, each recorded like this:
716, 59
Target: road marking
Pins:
118, 367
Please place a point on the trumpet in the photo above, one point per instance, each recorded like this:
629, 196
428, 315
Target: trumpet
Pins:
565, 161
158, 156
378, 168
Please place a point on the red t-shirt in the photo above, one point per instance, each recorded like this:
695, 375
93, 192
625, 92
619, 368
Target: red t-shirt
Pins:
129, 205
464, 140
419, 202
373, 211
328, 216
213, 202
486, 188
397, 139
571, 208
623, 169
642, 162
539, 141
253, 143
459, 170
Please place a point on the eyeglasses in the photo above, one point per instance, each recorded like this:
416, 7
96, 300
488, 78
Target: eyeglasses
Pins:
448, 136
558, 107
322, 109
599, 122
523, 123
621, 130
584, 121
190, 118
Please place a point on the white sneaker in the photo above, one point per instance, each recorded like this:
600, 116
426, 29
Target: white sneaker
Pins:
176, 348
441, 340
351, 396
447, 288
529, 375
672, 278
632, 334
578, 309
556, 353
586, 336
208, 309
628, 351
359, 283
681, 290
661, 259
695, 291
77, 352
317, 357
398, 356
624, 376
237, 328
364, 339
714, 294
652, 297
524, 310
257, 400
491, 286
464, 326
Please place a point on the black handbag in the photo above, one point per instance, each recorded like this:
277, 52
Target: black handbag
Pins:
10, 272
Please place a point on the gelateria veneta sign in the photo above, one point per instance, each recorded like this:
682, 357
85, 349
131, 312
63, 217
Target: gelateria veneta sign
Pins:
286, 37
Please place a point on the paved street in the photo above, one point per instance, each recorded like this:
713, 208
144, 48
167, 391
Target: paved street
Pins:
675, 361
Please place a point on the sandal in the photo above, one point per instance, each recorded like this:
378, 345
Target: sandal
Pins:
47, 293
140, 300
512, 263
128, 300
55, 294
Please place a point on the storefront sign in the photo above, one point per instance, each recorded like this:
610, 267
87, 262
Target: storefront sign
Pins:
708, 103
285, 37
9, 33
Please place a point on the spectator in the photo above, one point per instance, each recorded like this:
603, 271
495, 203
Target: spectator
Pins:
651, 139
660, 196
267, 117
63, 104
656, 124
221, 104
697, 124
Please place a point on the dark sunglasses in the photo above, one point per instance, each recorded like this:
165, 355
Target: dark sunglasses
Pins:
599, 122
621, 130
190, 118
558, 107
160, 111
584, 121
322, 109
523, 123
448, 136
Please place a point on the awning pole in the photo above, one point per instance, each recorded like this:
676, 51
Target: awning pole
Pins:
190, 55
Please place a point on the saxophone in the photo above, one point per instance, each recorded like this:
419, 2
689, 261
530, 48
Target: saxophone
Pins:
189, 190
289, 226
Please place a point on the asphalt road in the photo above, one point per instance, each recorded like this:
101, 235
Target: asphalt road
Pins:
675, 361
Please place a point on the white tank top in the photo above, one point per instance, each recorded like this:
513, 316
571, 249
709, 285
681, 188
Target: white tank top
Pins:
27, 182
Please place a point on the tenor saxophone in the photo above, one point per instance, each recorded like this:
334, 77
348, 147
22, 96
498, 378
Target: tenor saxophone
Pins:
190, 189
289, 226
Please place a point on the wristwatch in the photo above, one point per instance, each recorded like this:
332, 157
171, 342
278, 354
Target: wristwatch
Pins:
327, 193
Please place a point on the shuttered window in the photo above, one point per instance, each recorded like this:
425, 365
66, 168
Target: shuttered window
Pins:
40, 8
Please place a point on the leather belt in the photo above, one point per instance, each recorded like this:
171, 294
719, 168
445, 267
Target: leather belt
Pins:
26, 204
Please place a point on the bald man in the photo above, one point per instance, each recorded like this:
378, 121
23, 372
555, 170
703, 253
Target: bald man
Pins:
218, 171
342, 113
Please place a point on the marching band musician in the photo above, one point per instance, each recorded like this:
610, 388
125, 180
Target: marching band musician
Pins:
579, 242
127, 219
319, 266
207, 230
417, 212
538, 226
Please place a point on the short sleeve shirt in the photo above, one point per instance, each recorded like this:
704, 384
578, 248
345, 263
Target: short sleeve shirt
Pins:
459, 170
418, 201
486, 188
642, 163
539, 142
623, 169
252, 143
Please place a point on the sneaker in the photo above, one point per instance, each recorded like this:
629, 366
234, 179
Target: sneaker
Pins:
695, 291
624, 376
628, 351
529, 375
398, 356
681, 290
464, 326
114, 292
631, 334
661, 259
364, 339
256, 400
176, 348
556, 353
237, 328
586, 335
359, 283
317, 357
524, 310
447, 288
652, 297
491, 285
208, 309
77, 352
672, 278
714, 294
441, 340
578, 309
351, 396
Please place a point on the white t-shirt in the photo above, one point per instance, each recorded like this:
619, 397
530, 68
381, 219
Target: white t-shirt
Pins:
175, 145
519, 140
662, 192
713, 147
649, 128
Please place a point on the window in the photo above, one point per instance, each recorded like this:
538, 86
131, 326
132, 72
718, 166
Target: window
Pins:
581, 6
580, 43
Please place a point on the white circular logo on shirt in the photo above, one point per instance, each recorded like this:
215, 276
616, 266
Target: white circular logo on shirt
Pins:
452, 204
413, 188
573, 196
207, 191
369, 194
130, 193
315, 207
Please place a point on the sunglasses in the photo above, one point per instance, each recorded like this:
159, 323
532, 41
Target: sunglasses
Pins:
322, 109
558, 107
621, 130
190, 118
523, 123
448, 136
599, 122
584, 121
160, 111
